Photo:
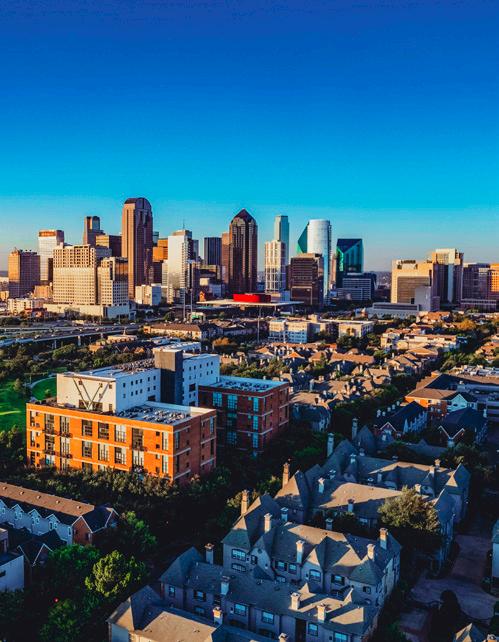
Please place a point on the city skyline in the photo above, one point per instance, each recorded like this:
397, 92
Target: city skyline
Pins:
381, 119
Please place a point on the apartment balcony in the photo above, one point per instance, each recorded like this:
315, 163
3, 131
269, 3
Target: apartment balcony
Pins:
66, 455
49, 430
140, 447
51, 451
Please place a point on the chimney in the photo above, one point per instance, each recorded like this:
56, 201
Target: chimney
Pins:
300, 546
244, 502
351, 503
379, 478
267, 522
383, 538
285, 474
491, 638
355, 428
321, 482
437, 464
371, 548
329, 523
295, 601
224, 585
432, 471
283, 637
370, 481
4, 540
417, 488
209, 553
284, 514
218, 616
321, 612
330, 444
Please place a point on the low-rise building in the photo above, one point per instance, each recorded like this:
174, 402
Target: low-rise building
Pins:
459, 423
148, 294
354, 328
289, 330
11, 565
250, 412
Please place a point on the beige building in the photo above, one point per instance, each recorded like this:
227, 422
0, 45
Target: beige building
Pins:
409, 275
275, 266
75, 274
136, 241
112, 281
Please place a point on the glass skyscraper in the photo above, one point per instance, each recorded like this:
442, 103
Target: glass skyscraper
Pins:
319, 242
349, 258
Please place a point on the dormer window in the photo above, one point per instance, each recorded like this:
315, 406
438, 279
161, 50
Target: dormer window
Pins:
315, 576
338, 579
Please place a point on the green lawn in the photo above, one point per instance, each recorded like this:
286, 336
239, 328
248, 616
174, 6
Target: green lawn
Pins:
40, 388
12, 407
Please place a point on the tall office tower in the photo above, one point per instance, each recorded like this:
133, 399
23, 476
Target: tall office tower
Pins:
275, 266
281, 233
349, 258
408, 275
111, 241
243, 253
180, 268
212, 250
306, 273
493, 292
48, 240
450, 274
136, 241
319, 242
301, 245
160, 250
91, 228
75, 276
476, 280
225, 257
24, 272
112, 281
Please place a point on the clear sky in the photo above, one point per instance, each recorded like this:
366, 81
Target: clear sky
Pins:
382, 115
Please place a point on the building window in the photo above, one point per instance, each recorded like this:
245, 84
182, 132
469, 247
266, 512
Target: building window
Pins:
340, 637
64, 426
199, 610
120, 434
164, 441
87, 466
231, 438
103, 452
212, 425
313, 629
367, 589
255, 422
281, 566
103, 430
86, 428
200, 596
217, 399
315, 576
164, 464
49, 422
255, 404
86, 449
292, 568
232, 402
338, 579
238, 567
171, 591
119, 456
238, 554
240, 609
255, 441
267, 617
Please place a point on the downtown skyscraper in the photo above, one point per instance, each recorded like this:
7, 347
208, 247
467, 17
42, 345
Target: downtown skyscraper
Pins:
136, 241
243, 253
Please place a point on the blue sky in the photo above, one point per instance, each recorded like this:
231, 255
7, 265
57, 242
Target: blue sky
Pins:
380, 115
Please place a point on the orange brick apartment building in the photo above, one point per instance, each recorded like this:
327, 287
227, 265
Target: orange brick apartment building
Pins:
110, 418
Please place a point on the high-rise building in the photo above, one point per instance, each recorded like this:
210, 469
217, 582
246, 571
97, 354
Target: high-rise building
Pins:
112, 281
160, 250
275, 266
243, 253
75, 276
357, 287
281, 233
409, 275
319, 242
91, 228
225, 257
136, 241
48, 240
301, 245
480, 286
349, 258
23, 272
111, 241
306, 273
450, 274
212, 250
180, 268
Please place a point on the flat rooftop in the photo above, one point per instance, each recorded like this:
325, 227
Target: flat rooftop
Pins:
161, 413
245, 384
221, 303
113, 372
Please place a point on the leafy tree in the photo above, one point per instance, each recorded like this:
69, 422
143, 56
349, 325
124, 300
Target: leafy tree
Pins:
412, 519
12, 449
18, 387
67, 618
132, 536
12, 606
114, 574
67, 567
